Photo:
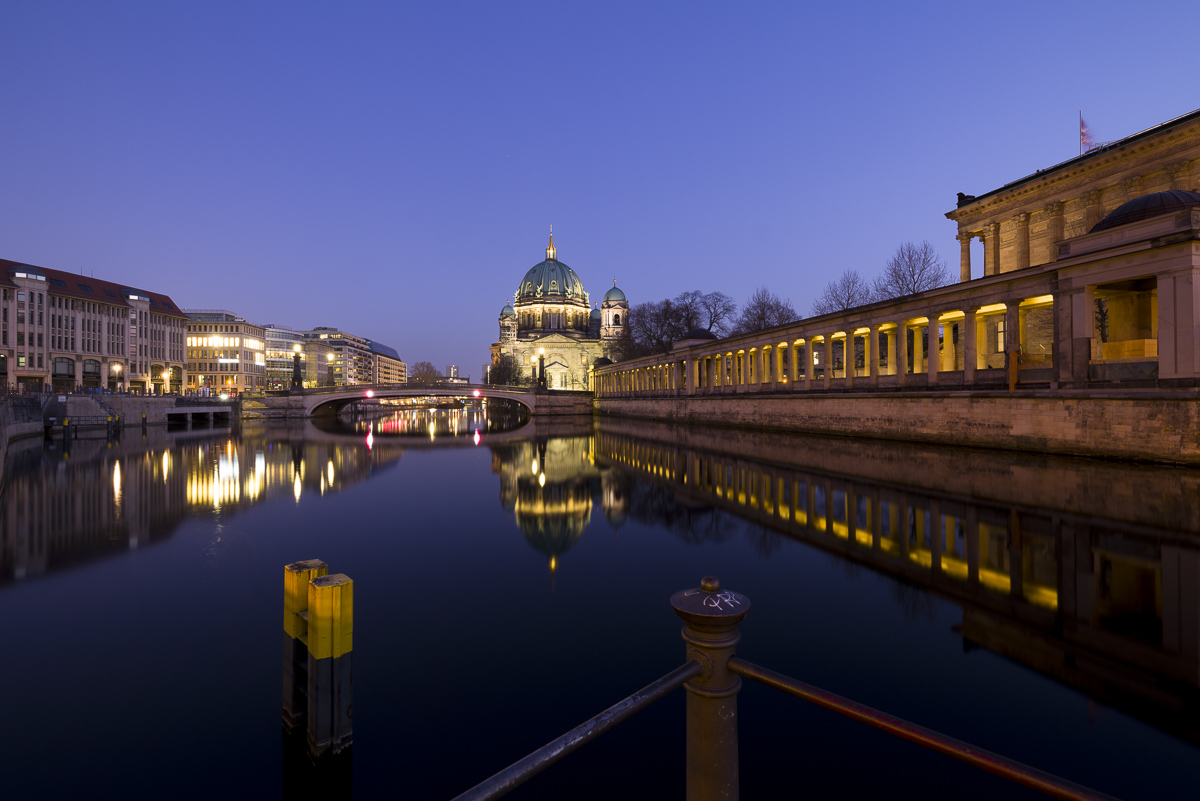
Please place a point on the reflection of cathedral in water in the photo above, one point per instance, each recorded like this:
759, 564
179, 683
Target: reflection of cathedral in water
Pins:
61, 508
551, 487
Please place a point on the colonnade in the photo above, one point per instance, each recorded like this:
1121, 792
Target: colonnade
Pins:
853, 352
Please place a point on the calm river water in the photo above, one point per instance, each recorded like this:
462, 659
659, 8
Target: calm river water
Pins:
512, 584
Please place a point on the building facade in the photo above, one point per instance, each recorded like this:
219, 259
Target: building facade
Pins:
281, 342
389, 367
551, 321
225, 352
62, 331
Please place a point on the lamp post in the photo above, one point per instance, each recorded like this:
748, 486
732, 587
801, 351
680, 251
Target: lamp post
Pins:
297, 382
166, 379
542, 369
116, 368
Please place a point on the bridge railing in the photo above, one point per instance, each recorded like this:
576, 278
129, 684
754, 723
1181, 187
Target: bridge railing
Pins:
712, 676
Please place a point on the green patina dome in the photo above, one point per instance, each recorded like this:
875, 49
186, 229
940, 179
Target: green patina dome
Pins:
551, 280
614, 295
507, 311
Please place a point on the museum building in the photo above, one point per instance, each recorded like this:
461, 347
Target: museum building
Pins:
551, 318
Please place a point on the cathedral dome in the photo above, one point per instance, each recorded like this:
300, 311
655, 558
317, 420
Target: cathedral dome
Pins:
551, 279
1147, 206
614, 295
507, 311
595, 314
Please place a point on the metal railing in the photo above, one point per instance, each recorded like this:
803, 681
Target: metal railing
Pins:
712, 677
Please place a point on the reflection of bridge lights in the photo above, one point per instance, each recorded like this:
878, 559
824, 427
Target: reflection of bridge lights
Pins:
117, 483
370, 440
330, 471
541, 479
296, 486
535, 467
477, 436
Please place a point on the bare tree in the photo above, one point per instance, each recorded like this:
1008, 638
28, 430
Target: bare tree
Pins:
718, 310
507, 370
654, 326
764, 310
913, 269
423, 373
844, 292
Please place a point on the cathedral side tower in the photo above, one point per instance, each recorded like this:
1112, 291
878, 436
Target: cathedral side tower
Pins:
614, 314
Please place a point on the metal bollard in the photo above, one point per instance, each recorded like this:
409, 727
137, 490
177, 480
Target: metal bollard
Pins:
711, 617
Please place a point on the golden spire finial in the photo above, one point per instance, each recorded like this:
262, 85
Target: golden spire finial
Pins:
550, 251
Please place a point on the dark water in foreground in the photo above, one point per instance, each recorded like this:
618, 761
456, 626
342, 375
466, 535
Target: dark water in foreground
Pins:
508, 589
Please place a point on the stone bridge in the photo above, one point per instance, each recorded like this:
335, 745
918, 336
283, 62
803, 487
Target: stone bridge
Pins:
309, 402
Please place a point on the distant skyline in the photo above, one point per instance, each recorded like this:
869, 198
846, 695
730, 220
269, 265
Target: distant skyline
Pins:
394, 169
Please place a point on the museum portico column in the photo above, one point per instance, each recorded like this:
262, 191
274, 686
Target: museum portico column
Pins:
891, 347
828, 372
793, 366
991, 249
848, 358
918, 351
934, 360
970, 335
1021, 222
901, 351
808, 363
871, 355
964, 243
1054, 228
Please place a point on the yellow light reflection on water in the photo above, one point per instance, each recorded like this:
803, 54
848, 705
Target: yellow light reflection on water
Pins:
117, 484
296, 486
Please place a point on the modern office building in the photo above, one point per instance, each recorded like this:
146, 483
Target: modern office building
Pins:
59, 331
451, 371
389, 368
353, 362
225, 352
281, 341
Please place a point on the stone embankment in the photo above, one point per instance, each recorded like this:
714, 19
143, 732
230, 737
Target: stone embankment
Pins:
1141, 426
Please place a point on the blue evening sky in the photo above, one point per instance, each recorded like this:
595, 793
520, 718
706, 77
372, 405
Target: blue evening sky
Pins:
393, 168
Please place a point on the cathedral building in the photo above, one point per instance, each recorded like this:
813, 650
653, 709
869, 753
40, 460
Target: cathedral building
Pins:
552, 318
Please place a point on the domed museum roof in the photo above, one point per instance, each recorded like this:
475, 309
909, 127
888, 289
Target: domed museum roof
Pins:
551, 279
1147, 206
507, 311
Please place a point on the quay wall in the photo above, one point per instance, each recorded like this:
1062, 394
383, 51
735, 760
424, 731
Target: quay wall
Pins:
1155, 428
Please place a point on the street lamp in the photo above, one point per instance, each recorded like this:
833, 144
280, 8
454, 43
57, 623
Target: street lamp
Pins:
541, 368
166, 381
116, 368
297, 382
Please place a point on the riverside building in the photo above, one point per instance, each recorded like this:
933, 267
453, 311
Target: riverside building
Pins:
60, 331
225, 352
551, 319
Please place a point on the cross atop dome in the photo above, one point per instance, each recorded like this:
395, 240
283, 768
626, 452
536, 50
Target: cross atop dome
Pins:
551, 253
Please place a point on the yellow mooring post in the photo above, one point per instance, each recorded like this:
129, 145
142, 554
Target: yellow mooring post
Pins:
318, 629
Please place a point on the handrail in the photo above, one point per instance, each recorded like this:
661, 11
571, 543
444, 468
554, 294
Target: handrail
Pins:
1012, 770
711, 617
522, 770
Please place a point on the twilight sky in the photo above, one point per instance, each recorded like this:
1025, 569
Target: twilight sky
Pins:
393, 168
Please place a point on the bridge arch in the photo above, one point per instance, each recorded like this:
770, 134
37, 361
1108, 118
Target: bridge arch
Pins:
315, 400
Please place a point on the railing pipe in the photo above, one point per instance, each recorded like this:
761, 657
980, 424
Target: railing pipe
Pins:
519, 772
964, 752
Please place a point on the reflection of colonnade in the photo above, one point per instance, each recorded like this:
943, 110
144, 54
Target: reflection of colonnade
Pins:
1097, 603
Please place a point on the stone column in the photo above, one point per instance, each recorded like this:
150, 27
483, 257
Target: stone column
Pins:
891, 357
828, 361
991, 250
848, 358
964, 258
934, 362
1054, 229
793, 366
901, 352
871, 355
1178, 172
1012, 331
691, 378
918, 357
970, 335
1091, 205
809, 372
779, 365
1021, 221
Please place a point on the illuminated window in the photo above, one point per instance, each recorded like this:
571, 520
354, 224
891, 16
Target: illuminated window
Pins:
1000, 330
